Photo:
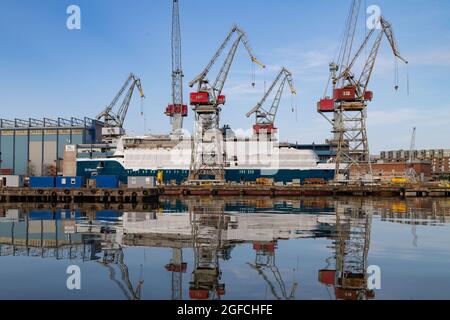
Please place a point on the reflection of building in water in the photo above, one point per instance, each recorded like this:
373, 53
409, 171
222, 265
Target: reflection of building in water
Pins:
68, 235
29, 235
351, 248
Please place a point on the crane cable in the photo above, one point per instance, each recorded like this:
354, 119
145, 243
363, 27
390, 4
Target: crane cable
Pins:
253, 75
407, 79
396, 80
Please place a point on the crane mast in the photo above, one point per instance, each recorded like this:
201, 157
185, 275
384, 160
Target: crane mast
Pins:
208, 155
411, 173
349, 36
265, 119
114, 121
176, 110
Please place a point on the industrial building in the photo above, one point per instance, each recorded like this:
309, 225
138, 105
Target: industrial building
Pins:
439, 159
36, 147
388, 171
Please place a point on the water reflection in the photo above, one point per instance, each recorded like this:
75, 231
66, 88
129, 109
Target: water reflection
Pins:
208, 231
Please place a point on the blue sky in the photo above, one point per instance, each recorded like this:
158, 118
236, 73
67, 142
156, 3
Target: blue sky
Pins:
47, 70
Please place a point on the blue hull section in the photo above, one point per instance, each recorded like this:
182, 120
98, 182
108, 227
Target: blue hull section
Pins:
112, 168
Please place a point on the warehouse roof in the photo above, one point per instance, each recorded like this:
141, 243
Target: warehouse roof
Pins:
48, 123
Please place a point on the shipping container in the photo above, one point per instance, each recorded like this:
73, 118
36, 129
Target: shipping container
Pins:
8, 181
42, 182
107, 182
141, 182
108, 215
325, 105
69, 182
42, 215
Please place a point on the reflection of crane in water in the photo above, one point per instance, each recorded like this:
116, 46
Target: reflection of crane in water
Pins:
266, 261
114, 259
177, 267
210, 218
351, 245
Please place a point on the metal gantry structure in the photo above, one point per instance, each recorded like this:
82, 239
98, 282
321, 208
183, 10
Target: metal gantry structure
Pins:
265, 118
351, 246
411, 173
114, 261
206, 277
177, 267
207, 150
350, 99
114, 120
177, 110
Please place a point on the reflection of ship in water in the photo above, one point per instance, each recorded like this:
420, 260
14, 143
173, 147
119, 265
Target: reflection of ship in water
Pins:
203, 226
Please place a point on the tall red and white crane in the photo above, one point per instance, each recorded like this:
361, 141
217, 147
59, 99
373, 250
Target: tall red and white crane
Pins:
349, 105
177, 110
265, 118
208, 155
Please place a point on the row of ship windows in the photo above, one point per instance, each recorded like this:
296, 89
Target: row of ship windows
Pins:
156, 171
247, 172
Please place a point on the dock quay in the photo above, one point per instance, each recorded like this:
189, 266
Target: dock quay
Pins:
151, 195
424, 190
82, 195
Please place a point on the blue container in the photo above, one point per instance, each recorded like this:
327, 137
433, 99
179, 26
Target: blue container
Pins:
42, 215
42, 182
108, 215
69, 182
107, 182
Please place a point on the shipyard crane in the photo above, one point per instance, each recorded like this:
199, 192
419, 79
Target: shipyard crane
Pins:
265, 119
114, 120
177, 110
411, 173
208, 222
349, 106
265, 262
208, 155
177, 267
342, 62
114, 259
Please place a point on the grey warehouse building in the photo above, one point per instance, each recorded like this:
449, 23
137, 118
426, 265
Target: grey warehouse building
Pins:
36, 147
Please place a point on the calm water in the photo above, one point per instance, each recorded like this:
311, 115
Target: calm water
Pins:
204, 248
